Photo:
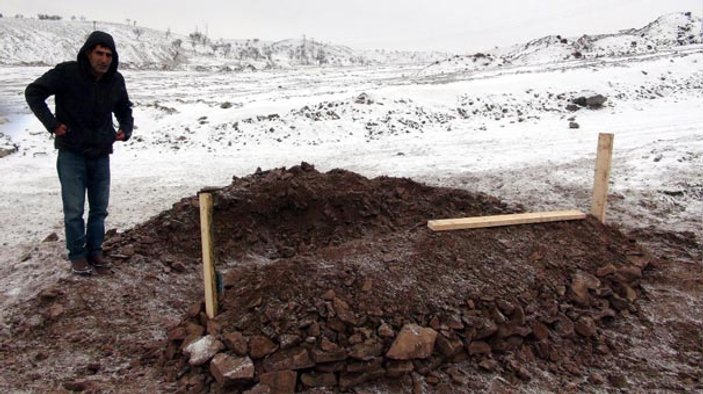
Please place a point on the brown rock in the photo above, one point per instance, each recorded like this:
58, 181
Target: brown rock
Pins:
478, 347
488, 364
296, 358
329, 295
518, 316
260, 346
337, 366
343, 312
482, 328
385, 330
631, 273
580, 283
540, 330
606, 270
618, 303
349, 380
227, 369
259, 389
585, 326
641, 261
367, 286
282, 382
213, 327
236, 342
413, 342
506, 307
449, 346
77, 385
287, 341
596, 379
321, 356
366, 350
372, 365
435, 323
455, 323
396, 369
319, 379
55, 311
511, 328
564, 326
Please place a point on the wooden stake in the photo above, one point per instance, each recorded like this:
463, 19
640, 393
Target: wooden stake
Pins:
208, 255
504, 220
600, 184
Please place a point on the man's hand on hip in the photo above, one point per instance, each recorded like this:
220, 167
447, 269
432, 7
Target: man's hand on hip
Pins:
120, 135
61, 130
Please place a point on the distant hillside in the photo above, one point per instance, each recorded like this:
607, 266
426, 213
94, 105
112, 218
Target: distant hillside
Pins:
666, 32
47, 42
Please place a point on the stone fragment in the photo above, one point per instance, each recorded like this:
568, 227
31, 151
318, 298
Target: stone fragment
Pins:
236, 342
385, 330
482, 327
366, 350
343, 313
478, 347
365, 366
321, 356
227, 369
540, 330
564, 326
202, 350
630, 273
581, 282
413, 342
606, 270
260, 346
319, 379
282, 382
488, 364
585, 326
349, 380
295, 358
449, 346
396, 368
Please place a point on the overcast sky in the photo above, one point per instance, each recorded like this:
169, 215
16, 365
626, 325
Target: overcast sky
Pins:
446, 25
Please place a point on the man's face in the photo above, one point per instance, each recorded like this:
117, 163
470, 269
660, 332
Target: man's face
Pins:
100, 59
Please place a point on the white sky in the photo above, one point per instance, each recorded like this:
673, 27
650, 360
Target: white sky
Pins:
451, 25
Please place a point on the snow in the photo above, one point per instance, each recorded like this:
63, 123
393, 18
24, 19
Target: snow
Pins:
517, 145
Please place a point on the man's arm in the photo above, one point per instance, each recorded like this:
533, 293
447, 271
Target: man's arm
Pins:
123, 113
36, 94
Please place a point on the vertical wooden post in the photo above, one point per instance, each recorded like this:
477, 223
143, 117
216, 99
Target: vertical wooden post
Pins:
208, 254
600, 183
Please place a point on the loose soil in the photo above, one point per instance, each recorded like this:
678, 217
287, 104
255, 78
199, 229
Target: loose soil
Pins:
322, 273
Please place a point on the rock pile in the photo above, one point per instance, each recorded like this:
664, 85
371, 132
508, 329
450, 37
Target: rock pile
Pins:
333, 280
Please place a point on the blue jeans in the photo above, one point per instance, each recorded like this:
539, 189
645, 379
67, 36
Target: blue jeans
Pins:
77, 175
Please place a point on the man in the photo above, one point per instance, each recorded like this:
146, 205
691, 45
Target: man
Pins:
87, 92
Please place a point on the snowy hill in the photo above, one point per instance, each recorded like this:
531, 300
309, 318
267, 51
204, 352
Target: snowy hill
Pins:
666, 32
47, 42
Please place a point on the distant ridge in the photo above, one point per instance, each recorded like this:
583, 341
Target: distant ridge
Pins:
47, 42
666, 32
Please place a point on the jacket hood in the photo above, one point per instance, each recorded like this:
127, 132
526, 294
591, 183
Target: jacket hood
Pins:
104, 39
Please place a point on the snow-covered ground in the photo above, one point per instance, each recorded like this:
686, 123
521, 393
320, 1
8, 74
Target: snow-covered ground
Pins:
505, 132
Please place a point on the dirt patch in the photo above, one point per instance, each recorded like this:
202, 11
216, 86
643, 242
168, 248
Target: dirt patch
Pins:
333, 280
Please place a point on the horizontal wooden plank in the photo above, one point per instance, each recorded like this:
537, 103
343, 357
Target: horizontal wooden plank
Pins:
504, 220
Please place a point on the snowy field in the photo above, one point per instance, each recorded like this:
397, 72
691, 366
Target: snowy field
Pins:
504, 132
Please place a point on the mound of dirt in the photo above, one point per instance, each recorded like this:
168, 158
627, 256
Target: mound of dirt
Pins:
333, 280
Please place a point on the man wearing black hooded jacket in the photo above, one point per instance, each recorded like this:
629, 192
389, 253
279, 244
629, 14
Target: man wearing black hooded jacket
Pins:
87, 93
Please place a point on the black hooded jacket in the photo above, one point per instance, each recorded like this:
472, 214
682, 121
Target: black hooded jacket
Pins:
83, 104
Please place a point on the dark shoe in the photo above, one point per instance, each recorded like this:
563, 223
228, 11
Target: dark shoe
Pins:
98, 261
81, 266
